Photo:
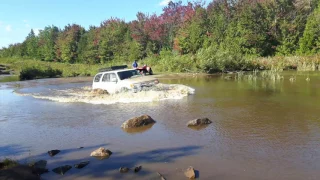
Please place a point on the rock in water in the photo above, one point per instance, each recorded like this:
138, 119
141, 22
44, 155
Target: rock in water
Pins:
124, 169
137, 169
39, 167
101, 152
199, 122
40, 164
138, 122
82, 164
62, 169
53, 152
190, 173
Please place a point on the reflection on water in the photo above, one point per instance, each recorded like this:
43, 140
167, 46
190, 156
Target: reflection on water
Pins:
198, 128
261, 129
138, 130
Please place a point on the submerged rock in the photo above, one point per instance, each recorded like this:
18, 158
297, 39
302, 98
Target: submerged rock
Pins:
199, 122
62, 169
81, 164
39, 167
53, 152
101, 152
137, 169
124, 170
138, 122
189, 173
40, 164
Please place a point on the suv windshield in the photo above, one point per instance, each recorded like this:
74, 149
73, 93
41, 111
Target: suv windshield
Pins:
128, 74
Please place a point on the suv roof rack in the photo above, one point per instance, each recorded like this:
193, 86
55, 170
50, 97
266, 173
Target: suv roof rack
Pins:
113, 68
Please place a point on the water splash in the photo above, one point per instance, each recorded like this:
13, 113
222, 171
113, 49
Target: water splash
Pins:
86, 95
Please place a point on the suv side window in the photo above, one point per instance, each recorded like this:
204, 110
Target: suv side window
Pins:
97, 78
108, 77
113, 76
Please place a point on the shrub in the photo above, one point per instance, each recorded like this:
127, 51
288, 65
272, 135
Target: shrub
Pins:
29, 73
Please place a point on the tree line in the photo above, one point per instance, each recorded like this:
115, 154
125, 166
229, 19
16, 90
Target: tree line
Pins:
235, 28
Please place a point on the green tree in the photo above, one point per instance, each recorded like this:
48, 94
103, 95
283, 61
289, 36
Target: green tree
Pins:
31, 45
310, 42
47, 38
192, 35
67, 43
112, 39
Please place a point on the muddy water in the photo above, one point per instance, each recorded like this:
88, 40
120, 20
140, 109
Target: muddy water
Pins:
262, 129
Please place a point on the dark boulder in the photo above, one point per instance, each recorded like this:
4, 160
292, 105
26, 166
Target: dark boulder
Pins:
137, 169
124, 170
136, 122
81, 164
39, 167
62, 169
53, 152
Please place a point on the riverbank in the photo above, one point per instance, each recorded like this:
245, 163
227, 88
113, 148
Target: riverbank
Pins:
26, 69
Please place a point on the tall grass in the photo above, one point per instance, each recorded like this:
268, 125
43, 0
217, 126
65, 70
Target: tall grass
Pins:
41, 69
299, 63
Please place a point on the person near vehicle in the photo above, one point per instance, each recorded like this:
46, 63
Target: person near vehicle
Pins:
135, 64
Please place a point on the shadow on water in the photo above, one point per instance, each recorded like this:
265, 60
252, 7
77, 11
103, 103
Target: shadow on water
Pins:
108, 168
14, 149
61, 155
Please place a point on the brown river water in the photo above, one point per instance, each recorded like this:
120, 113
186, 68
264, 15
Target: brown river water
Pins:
262, 128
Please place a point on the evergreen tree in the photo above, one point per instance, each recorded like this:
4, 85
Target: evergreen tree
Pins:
31, 45
310, 42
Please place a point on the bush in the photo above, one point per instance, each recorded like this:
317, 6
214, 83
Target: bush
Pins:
29, 73
213, 60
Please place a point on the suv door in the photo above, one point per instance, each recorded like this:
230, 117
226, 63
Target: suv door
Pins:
96, 81
109, 82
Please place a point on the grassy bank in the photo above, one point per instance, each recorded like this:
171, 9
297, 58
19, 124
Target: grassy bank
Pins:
210, 61
33, 69
299, 63
166, 62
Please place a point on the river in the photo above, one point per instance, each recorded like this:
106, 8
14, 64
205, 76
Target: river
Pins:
262, 129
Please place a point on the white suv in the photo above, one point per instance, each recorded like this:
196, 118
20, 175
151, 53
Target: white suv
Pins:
114, 80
